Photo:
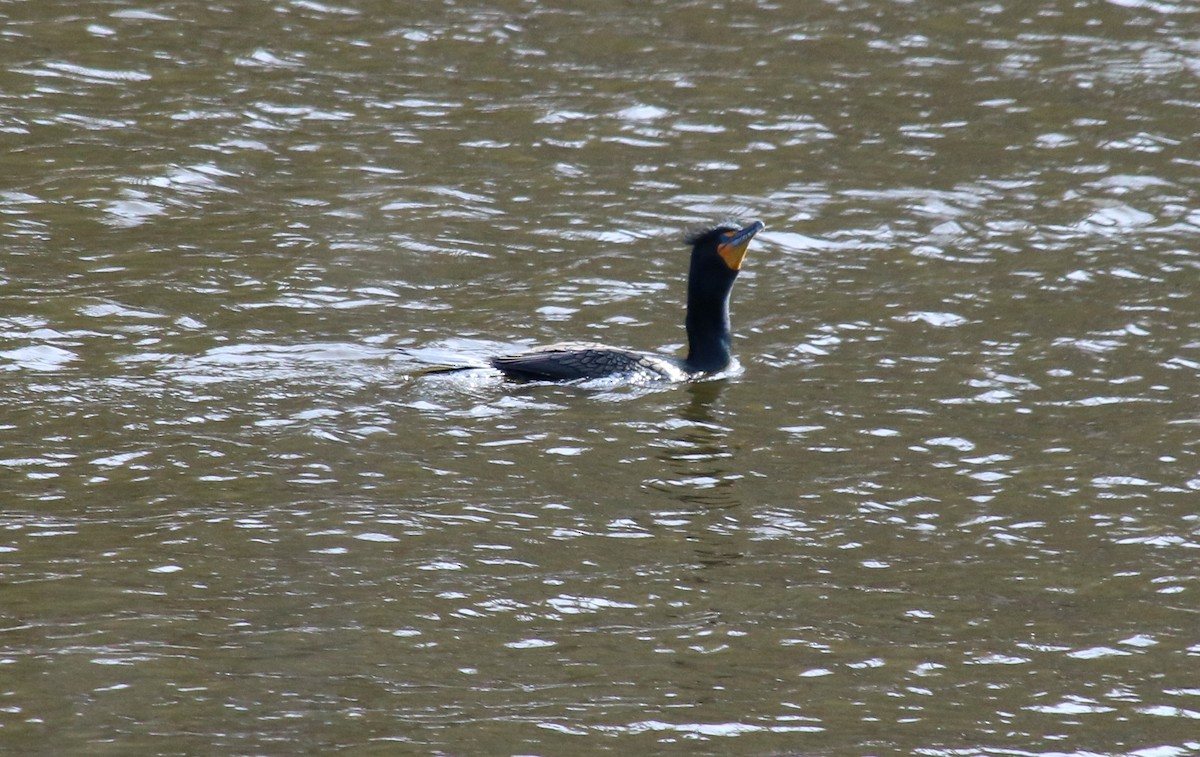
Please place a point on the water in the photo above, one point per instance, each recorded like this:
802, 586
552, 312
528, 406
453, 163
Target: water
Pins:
948, 507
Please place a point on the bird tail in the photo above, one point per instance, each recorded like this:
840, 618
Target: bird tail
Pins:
439, 369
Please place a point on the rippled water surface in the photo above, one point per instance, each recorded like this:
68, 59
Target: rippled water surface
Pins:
948, 507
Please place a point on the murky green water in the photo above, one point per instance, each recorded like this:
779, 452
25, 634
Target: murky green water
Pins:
948, 508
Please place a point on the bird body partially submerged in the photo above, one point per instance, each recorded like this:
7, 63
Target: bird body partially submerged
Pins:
717, 255
570, 361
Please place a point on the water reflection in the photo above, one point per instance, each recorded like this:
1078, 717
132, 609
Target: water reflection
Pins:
948, 507
702, 473
694, 448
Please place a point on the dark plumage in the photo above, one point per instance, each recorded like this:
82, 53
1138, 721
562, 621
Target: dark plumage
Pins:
717, 254
567, 361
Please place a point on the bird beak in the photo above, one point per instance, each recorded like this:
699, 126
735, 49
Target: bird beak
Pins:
733, 249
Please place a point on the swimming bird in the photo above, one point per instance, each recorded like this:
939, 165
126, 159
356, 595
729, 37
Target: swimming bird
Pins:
717, 255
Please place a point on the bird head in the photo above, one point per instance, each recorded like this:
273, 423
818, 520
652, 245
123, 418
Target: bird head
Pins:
727, 241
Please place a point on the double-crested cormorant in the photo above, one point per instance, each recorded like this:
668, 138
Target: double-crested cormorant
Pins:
717, 255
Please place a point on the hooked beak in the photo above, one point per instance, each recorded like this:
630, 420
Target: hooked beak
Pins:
732, 248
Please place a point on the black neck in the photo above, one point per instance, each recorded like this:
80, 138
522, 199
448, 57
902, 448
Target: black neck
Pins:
707, 322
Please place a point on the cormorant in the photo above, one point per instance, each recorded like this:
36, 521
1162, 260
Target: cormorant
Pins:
717, 255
